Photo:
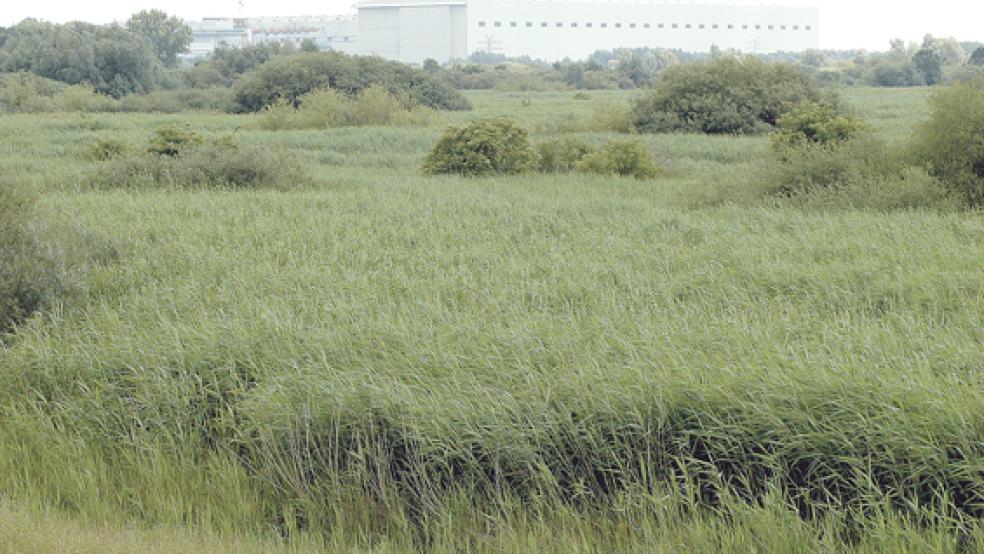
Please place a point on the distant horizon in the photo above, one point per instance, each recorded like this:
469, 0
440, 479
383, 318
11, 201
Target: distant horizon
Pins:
844, 25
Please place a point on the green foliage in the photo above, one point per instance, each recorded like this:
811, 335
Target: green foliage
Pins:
951, 144
611, 117
327, 108
291, 77
183, 159
170, 36
27, 93
816, 123
495, 146
309, 45
414, 364
111, 59
727, 95
929, 62
214, 99
171, 141
106, 149
626, 157
562, 155
813, 166
226, 64
977, 58
896, 75
32, 272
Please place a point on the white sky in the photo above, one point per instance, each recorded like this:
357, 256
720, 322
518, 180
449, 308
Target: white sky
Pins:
868, 24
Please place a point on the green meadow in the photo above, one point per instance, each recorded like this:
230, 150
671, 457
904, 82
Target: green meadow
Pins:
378, 360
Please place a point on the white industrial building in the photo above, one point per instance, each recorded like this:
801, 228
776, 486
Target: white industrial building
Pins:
212, 32
415, 30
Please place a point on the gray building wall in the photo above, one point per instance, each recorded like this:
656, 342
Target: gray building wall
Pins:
414, 32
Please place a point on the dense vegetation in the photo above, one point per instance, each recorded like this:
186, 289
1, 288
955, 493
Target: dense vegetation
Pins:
291, 77
765, 343
730, 95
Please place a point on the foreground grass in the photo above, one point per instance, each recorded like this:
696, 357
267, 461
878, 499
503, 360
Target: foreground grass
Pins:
389, 362
766, 528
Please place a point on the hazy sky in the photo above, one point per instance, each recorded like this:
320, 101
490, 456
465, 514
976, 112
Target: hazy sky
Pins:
866, 24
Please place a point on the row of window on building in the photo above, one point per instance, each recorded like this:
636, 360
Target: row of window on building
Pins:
658, 26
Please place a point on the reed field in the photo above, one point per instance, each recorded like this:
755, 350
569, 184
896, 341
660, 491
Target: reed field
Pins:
376, 360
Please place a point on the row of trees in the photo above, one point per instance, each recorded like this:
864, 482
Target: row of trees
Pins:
115, 60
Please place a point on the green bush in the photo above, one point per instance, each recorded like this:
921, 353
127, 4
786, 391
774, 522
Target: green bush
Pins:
326, 108
950, 145
291, 77
32, 273
213, 99
724, 96
628, 158
495, 146
200, 163
28, 93
611, 117
106, 149
909, 188
171, 141
816, 123
562, 155
798, 170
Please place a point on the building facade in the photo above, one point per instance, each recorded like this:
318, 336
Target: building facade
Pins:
210, 33
415, 30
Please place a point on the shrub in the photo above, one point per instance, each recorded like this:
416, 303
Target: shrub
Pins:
326, 108
908, 188
815, 166
375, 106
106, 149
816, 123
291, 77
896, 75
221, 162
215, 99
950, 145
562, 155
611, 117
171, 141
32, 275
725, 95
27, 93
628, 157
495, 146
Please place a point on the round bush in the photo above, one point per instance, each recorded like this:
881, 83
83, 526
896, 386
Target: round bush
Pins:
628, 158
815, 123
951, 144
494, 146
723, 96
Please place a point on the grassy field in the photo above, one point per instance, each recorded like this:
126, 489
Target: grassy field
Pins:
385, 361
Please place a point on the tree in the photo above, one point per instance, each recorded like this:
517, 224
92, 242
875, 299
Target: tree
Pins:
929, 62
168, 35
431, 65
813, 58
308, 45
111, 59
977, 58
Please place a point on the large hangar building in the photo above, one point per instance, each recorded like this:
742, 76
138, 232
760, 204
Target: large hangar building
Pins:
415, 30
